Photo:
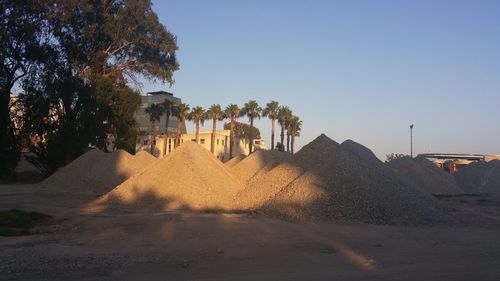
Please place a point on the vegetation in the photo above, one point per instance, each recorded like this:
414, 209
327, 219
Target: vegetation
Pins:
198, 116
73, 62
294, 128
216, 114
181, 111
271, 111
155, 111
284, 114
232, 113
252, 110
242, 130
393, 156
168, 109
17, 222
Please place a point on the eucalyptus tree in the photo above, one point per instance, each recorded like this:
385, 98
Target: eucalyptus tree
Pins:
294, 127
181, 111
198, 116
252, 110
155, 111
216, 114
232, 112
271, 111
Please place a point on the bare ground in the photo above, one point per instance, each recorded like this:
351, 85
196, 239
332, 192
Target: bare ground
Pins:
199, 246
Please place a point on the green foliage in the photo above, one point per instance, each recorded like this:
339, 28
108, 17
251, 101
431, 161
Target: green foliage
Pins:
294, 126
271, 110
393, 156
74, 61
16, 222
242, 130
20, 46
197, 115
252, 110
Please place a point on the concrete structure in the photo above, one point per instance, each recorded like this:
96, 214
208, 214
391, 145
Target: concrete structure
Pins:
221, 147
142, 118
452, 162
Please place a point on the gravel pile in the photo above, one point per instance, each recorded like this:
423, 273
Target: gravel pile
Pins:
426, 175
235, 160
97, 172
258, 163
480, 177
326, 181
189, 178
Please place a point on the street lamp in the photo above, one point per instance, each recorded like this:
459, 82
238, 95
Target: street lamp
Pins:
411, 140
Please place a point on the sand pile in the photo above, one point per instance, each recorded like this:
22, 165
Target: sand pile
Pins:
235, 160
97, 172
325, 181
258, 163
189, 178
426, 175
480, 177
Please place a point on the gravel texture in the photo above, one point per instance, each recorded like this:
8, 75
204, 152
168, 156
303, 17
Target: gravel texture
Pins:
480, 177
426, 175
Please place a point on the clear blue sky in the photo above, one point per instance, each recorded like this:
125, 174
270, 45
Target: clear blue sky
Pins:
361, 70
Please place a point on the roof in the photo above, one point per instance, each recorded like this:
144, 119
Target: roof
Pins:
160, 93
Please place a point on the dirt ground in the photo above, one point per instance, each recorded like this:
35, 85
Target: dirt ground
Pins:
194, 246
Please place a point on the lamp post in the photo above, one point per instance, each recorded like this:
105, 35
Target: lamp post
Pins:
411, 140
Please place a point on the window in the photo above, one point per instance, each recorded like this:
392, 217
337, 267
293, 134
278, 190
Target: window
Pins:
222, 142
222, 158
202, 141
257, 142
145, 142
217, 141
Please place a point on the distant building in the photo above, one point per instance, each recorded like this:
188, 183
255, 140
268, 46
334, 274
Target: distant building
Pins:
142, 118
221, 147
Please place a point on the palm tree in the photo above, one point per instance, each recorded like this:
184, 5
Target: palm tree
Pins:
181, 111
198, 116
232, 112
215, 113
252, 110
283, 113
155, 111
271, 111
168, 108
294, 127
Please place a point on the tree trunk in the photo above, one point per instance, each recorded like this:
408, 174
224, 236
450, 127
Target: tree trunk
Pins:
273, 128
166, 136
212, 142
153, 133
231, 140
287, 142
282, 134
9, 150
293, 143
250, 145
178, 135
198, 132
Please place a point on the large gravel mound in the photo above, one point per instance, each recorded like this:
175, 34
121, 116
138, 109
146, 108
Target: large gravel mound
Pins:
258, 162
426, 175
325, 181
97, 172
188, 178
480, 177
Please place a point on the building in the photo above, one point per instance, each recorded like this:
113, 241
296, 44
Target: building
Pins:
142, 118
221, 145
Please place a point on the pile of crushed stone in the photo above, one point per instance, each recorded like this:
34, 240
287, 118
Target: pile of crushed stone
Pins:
426, 175
480, 177
97, 172
258, 163
326, 182
235, 160
190, 178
